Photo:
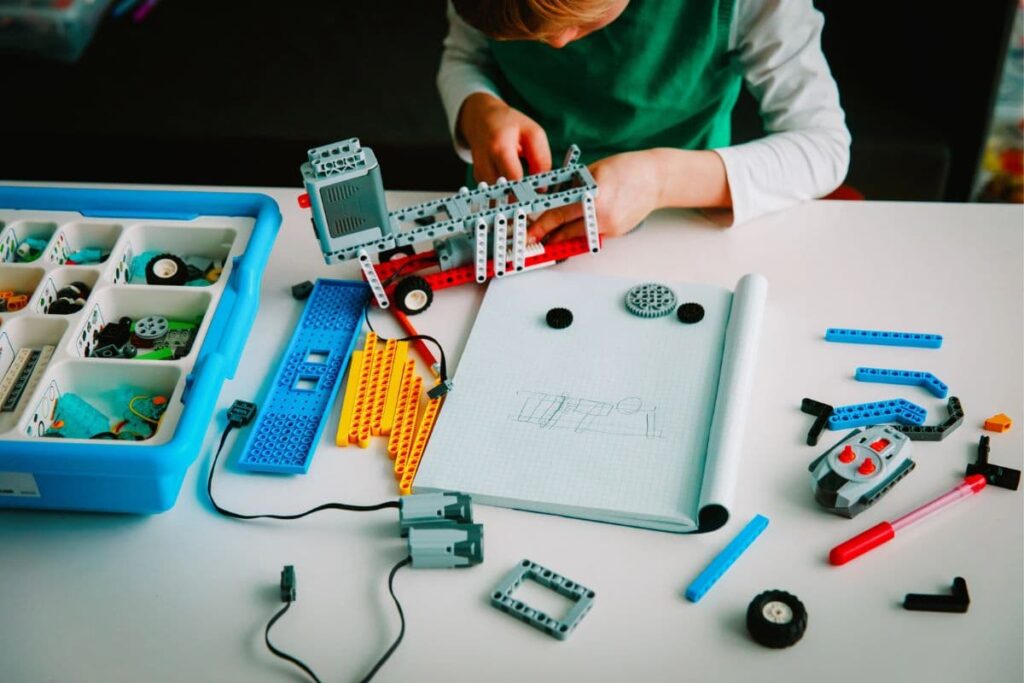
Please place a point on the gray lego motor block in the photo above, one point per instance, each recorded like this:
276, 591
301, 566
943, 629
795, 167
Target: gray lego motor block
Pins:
852, 475
583, 597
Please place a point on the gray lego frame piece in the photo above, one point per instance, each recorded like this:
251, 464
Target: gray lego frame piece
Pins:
350, 213
501, 597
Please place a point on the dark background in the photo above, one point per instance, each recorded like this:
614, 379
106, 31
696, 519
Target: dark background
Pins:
234, 93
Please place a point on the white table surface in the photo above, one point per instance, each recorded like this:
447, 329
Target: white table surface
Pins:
184, 595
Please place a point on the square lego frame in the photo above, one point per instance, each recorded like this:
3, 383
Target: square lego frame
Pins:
583, 597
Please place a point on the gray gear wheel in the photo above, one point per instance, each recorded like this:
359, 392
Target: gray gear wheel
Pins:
650, 300
152, 328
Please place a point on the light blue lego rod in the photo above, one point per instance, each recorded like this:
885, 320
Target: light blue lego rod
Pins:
725, 559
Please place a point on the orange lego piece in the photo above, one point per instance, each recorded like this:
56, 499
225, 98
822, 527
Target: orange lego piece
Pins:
380, 393
999, 423
360, 409
420, 444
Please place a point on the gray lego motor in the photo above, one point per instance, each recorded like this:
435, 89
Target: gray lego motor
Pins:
860, 469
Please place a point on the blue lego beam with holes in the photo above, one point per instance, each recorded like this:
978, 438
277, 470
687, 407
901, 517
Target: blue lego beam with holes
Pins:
894, 410
884, 338
288, 426
907, 377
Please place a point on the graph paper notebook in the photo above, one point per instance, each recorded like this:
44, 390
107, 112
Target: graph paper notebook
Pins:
616, 418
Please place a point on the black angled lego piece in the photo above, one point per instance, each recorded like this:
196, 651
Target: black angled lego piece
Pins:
940, 431
957, 602
822, 411
996, 475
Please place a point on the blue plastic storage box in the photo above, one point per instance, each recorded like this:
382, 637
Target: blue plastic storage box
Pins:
115, 233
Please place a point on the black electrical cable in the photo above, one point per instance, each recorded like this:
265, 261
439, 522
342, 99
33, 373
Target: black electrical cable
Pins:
279, 653
232, 423
442, 363
401, 616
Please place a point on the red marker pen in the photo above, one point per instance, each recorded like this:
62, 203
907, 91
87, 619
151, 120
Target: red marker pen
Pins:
886, 531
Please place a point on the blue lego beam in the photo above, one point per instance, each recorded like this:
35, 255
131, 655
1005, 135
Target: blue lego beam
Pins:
288, 427
884, 338
879, 412
907, 377
725, 559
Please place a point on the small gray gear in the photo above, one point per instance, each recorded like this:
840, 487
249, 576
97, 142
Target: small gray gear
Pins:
650, 300
152, 328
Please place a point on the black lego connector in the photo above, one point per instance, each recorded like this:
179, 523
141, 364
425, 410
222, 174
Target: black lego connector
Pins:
957, 602
440, 389
821, 411
302, 290
241, 413
996, 475
288, 583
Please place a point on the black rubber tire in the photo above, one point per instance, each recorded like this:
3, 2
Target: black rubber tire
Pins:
776, 619
166, 269
418, 290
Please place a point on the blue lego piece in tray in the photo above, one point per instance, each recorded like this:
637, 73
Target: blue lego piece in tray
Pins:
908, 377
879, 412
884, 338
288, 427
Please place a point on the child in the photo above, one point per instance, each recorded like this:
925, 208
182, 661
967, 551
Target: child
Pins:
646, 88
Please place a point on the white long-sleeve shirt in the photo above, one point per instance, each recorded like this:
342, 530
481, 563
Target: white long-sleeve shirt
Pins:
806, 150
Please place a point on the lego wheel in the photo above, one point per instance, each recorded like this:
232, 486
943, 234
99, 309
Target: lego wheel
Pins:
776, 619
166, 269
413, 295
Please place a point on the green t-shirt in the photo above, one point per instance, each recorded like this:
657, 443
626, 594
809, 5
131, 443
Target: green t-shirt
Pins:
660, 75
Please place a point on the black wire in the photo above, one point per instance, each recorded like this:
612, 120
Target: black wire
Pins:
398, 271
442, 364
325, 506
401, 616
279, 653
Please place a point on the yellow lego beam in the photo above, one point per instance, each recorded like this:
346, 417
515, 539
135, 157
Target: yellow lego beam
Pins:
384, 370
348, 406
394, 387
404, 431
357, 434
419, 444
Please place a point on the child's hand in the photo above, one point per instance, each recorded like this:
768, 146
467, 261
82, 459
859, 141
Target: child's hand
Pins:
498, 136
628, 190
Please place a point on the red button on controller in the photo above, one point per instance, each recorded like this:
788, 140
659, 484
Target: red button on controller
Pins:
848, 454
879, 445
867, 467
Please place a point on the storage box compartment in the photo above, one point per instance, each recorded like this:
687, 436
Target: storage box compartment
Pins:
15, 234
111, 304
186, 243
20, 281
26, 347
78, 239
112, 392
59, 279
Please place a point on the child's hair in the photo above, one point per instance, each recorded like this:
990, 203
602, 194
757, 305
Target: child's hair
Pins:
529, 19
